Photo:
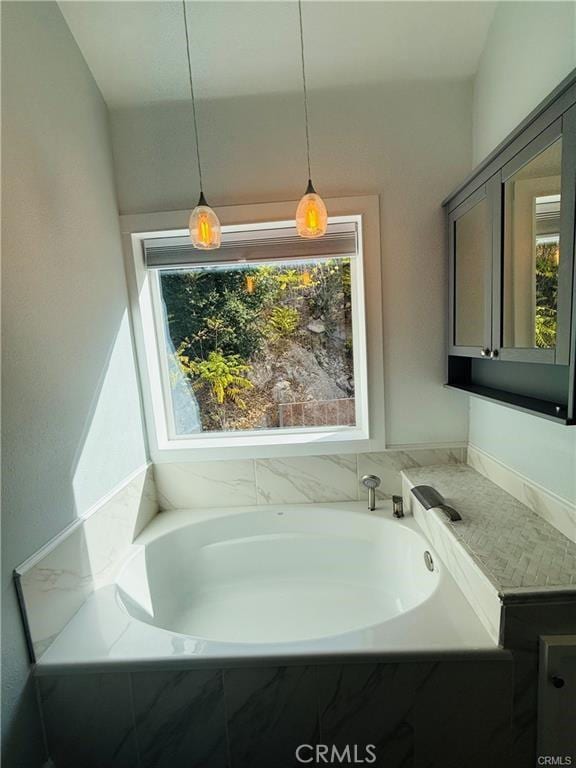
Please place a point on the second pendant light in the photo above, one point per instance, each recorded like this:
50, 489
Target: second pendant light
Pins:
311, 214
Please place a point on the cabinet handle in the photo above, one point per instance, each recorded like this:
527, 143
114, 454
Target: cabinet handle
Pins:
494, 353
485, 352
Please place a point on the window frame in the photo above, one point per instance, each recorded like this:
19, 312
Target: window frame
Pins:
368, 434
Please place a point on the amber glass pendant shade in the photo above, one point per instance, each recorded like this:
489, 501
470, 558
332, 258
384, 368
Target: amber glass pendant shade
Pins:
205, 229
311, 214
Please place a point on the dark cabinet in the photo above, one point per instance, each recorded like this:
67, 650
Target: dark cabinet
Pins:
512, 306
532, 290
470, 244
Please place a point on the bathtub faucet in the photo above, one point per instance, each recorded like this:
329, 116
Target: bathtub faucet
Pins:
431, 499
371, 482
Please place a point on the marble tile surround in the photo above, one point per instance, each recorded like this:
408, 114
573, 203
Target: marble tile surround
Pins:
524, 623
178, 715
291, 480
501, 551
534, 611
418, 714
89, 709
56, 581
557, 511
519, 552
474, 584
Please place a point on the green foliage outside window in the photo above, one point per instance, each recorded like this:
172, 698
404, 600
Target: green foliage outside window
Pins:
226, 323
546, 294
283, 321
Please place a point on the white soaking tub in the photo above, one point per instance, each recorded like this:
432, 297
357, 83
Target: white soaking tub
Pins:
271, 581
278, 576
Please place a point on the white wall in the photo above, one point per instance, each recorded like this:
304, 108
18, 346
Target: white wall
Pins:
408, 142
71, 416
539, 449
530, 48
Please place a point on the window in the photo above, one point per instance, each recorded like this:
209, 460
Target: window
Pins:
262, 346
260, 343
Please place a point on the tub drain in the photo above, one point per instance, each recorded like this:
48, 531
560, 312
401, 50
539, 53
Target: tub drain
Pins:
429, 561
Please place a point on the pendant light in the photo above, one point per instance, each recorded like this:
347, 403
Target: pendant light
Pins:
311, 214
205, 230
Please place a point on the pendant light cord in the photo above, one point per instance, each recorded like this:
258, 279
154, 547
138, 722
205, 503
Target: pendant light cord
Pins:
305, 89
192, 97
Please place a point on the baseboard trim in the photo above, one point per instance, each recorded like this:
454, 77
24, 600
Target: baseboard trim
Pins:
408, 447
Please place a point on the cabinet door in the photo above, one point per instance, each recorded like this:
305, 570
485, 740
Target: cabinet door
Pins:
470, 246
533, 271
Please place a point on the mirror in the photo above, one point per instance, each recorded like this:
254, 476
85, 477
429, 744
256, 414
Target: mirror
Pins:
471, 250
532, 252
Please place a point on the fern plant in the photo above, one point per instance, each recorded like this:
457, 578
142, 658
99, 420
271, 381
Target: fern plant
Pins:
223, 375
282, 322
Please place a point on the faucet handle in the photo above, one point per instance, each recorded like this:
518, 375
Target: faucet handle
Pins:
398, 506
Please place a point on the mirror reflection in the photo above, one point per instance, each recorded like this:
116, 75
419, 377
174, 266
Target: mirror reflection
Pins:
532, 252
472, 249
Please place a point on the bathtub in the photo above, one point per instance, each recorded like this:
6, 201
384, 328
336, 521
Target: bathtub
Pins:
288, 575
273, 581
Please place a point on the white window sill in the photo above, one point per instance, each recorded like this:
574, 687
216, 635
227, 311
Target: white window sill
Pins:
267, 439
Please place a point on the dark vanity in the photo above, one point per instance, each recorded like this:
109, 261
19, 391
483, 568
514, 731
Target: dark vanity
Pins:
512, 286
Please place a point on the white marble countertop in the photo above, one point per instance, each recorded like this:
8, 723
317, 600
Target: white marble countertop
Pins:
518, 551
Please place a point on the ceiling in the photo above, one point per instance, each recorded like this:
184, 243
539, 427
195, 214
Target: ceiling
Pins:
136, 50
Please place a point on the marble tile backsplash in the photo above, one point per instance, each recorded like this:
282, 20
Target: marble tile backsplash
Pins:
54, 584
307, 478
206, 484
389, 464
290, 480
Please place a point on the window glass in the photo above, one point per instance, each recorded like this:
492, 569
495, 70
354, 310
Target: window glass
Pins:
472, 250
258, 346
